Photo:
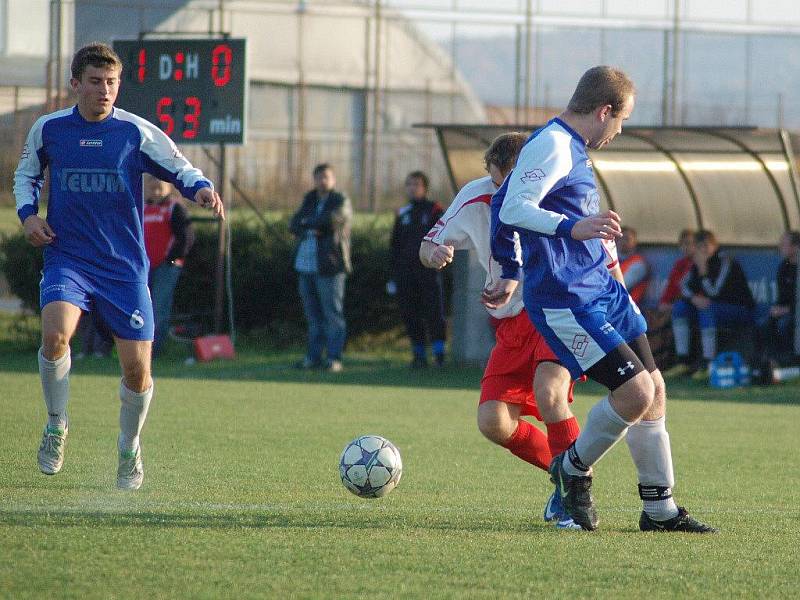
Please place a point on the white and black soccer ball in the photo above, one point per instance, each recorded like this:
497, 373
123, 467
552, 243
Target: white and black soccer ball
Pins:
370, 466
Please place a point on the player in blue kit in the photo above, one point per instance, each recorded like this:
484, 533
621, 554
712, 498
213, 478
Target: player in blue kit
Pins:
94, 252
586, 316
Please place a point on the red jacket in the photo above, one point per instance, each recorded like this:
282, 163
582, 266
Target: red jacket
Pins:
638, 290
168, 234
673, 290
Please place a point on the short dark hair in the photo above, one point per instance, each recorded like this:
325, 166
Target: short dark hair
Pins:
96, 54
321, 168
504, 150
705, 236
600, 86
421, 176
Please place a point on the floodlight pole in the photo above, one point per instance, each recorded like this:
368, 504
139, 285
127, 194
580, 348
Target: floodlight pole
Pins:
222, 231
219, 271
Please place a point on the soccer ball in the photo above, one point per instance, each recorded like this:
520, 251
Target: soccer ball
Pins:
370, 466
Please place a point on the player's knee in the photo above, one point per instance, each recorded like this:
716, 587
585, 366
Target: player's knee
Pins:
494, 425
660, 393
137, 377
645, 392
54, 344
634, 398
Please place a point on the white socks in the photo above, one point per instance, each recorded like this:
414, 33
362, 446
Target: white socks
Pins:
708, 341
132, 414
648, 442
604, 428
680, 331
55, 385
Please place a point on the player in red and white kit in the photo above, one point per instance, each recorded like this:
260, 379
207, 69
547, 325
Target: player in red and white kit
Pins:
523, 376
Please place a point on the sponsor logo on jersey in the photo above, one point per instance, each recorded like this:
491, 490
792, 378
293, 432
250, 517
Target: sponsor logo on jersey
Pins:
579, 344
607, 328
91, 180
531, 176
621, 370
137, 320
588, 163
91, 143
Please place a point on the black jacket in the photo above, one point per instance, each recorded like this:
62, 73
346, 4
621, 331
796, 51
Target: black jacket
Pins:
411, 224
724, 281
332, 227
787, 282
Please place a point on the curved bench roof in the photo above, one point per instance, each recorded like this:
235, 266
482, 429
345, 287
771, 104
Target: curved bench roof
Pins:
741, 183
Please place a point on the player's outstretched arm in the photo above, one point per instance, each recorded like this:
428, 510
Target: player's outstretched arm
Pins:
209, 198
435, 256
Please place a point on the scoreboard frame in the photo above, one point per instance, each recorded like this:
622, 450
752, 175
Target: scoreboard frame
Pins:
192, 89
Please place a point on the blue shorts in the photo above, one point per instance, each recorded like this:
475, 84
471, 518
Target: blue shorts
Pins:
124, 306
581, 336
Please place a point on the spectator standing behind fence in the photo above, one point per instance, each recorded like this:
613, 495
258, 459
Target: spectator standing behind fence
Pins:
635, 269
322, 226
96, 339
672, 291
776, 331
168, 237
419, 290
714, 293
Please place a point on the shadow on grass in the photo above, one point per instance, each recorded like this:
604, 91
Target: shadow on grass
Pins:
359, 369
372, 369
272, 518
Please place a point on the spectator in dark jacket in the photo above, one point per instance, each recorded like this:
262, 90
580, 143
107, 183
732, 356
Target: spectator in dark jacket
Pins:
714, 293
419, 290
322, 262
777, 331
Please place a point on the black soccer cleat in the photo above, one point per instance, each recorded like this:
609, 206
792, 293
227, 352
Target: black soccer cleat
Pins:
575, 493
682, 522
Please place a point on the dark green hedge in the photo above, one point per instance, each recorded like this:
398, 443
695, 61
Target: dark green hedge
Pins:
264, 282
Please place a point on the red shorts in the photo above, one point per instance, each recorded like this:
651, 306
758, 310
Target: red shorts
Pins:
516, 355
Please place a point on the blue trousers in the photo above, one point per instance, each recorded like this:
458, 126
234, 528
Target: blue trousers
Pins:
718, 314
323, 305
708, 319
163, 280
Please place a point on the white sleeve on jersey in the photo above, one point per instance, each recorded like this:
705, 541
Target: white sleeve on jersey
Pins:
462, 225
163, 151
543, 163
29, 176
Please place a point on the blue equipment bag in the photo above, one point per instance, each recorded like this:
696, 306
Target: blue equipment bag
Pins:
728, 370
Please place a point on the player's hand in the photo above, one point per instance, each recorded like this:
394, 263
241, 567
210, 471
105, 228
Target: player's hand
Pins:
37, 231
442, 256
499, 294
208, 198
605, 226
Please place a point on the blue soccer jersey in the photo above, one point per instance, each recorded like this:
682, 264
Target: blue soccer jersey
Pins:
95, 205
550, 189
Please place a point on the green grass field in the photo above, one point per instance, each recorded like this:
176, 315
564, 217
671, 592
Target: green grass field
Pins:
242, 497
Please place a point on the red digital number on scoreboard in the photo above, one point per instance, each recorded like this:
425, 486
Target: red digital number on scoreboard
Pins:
192, 107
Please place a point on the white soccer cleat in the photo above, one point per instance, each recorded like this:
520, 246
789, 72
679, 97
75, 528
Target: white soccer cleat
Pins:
130, 472
51, 450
